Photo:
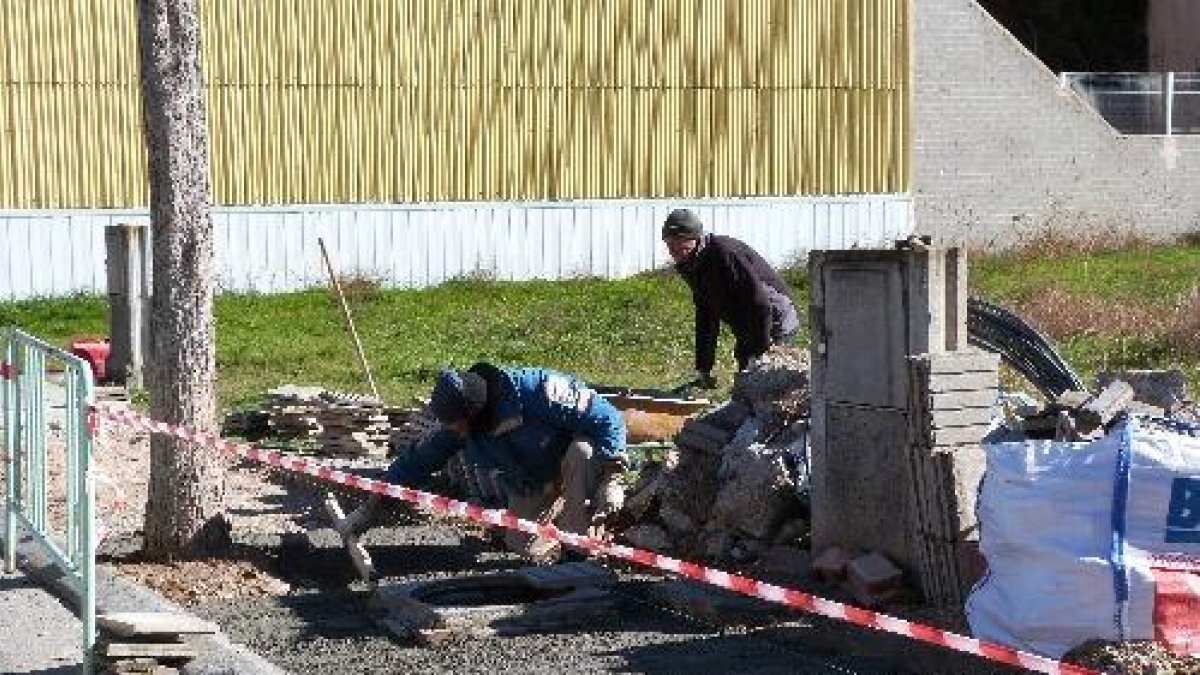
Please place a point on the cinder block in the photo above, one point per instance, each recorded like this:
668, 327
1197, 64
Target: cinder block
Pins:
874, 572
874, 580
969, 381
962, 361
831, 564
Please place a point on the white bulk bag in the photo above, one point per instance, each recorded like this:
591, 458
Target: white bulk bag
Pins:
1076, 534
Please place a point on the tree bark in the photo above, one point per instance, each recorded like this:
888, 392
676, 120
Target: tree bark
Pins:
185, 510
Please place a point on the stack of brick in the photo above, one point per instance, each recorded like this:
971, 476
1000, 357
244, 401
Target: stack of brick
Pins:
353, 431
410, 426
952, 397
293, 421
292, 411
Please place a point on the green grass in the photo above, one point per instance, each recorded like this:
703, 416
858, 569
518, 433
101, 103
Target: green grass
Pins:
1157, 275
1105, 307
634, 332
637, 332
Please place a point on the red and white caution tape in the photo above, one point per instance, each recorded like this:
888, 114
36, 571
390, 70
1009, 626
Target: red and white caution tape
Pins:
499, 517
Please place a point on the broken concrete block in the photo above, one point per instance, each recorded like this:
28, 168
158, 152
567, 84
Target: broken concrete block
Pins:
708, 431
642, 495
785, 565
831, 564
716, 544
676, 521
792, 531
648, 537
962, 361
690, 440
1072, 400
873, 579
1166, 389
728, 416
1106, 406
757, 492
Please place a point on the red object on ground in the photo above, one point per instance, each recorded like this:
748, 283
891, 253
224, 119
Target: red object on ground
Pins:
95, 351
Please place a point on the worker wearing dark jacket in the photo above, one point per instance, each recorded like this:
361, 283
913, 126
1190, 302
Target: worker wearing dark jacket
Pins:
535, 435
732, 283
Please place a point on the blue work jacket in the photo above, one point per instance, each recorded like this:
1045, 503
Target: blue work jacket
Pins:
537, 412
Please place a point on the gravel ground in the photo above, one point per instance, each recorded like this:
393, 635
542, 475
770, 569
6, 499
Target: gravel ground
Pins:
323, 624
303, 611
49, 632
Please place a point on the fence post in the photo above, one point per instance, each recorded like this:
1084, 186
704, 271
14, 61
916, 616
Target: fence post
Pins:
10, 453
129, 302
1169, 101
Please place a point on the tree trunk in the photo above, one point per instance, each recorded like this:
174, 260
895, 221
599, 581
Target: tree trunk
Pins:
185, 511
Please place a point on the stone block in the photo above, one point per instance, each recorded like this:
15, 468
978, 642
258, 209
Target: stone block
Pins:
1166, 389
690, 440
709, 431
728, 416
874, 572
962, 361
153, 650
648, 537
1101, 410
128, 624
874, 580
831, 564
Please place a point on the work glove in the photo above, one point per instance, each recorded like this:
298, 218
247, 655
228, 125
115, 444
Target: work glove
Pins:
608, 500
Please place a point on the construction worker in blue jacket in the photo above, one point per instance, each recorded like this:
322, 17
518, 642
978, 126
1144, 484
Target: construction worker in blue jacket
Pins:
552, 448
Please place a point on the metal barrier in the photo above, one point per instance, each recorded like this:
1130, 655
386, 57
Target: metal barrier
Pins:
27, 470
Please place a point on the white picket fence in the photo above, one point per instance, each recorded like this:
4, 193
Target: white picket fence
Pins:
274, 249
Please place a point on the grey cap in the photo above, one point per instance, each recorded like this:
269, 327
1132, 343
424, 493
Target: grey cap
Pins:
684, 224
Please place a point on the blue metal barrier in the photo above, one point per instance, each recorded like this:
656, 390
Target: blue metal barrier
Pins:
28, 494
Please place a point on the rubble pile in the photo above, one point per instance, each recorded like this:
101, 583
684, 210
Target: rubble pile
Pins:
1079, 416
730, 490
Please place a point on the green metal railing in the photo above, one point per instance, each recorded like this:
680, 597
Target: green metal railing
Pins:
28, 368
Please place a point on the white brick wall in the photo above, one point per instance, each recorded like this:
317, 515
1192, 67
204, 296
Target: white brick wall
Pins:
1002, 152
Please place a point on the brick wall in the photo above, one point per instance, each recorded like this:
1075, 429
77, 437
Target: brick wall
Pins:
1003, 153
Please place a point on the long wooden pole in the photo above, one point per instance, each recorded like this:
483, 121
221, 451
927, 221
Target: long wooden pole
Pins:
337, 288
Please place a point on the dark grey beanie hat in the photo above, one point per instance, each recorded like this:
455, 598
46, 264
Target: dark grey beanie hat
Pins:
457, 396
683, 223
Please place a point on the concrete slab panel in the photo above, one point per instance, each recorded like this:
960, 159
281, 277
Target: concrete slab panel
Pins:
862, 329
860, 498
127, 624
